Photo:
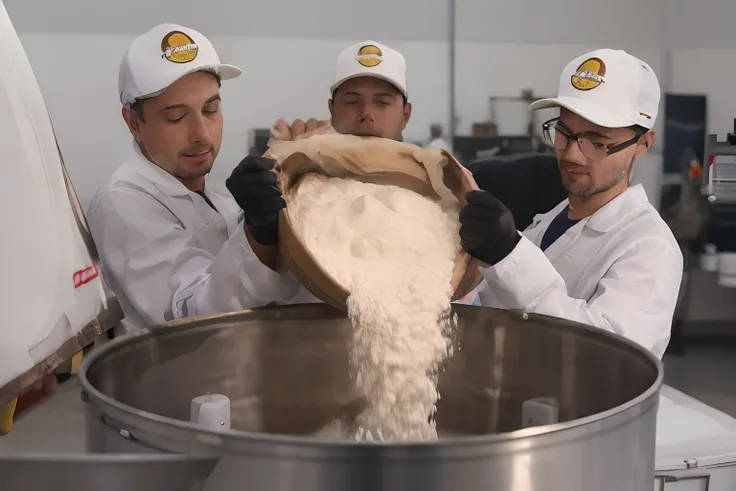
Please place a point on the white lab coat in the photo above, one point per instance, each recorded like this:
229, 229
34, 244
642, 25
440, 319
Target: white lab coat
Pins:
619, 270
169, 255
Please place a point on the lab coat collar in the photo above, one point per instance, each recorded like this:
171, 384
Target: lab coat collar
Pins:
618, 209
609, 215
167, 183
544, 217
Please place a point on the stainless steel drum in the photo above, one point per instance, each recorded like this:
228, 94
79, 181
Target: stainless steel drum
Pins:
286, 372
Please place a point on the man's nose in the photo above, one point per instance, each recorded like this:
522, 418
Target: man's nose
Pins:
573, 153
365, 112
198, 130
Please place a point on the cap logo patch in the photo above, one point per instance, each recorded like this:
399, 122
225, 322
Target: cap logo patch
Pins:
589, 74
369, 56
178, 47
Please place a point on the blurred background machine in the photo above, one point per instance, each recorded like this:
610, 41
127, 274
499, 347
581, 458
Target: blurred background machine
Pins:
719, 186
719, 183
513, 112
699, 205
471, 148
511, 129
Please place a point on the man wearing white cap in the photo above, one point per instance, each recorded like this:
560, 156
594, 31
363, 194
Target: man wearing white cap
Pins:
369, 97
603, 256
369, 94
171, 245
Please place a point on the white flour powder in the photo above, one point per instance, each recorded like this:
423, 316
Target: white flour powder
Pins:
394, 251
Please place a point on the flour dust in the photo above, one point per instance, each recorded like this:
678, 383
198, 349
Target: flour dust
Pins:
395, 252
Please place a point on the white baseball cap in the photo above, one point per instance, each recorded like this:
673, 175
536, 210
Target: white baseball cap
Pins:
162, 56
609, 88
371, 59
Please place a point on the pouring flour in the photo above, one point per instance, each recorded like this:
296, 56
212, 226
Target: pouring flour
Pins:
396, 252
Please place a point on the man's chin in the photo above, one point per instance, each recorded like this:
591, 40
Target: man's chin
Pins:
193, 174
577, 191
366, 132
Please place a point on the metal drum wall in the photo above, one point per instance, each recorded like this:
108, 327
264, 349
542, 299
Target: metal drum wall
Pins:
286, 372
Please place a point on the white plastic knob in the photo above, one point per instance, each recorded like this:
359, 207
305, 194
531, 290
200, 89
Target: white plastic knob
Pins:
211, 411
539, 411
709, 260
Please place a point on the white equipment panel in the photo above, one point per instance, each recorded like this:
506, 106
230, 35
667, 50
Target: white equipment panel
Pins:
696, 445
52, 298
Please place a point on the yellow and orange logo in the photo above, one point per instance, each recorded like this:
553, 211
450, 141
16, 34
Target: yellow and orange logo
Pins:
178, 47
589, 74
369, 56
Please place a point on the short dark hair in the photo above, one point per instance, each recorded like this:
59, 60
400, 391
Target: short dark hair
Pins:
137, 105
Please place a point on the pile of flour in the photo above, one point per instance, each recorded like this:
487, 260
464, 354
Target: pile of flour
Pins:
394, 251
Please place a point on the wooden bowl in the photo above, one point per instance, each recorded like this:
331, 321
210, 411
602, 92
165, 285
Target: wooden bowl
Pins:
430, 172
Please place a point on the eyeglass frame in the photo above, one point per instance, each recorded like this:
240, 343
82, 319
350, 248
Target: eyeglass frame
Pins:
609, 151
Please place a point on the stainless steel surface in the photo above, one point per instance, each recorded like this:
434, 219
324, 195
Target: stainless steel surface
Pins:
105, 472
286, 372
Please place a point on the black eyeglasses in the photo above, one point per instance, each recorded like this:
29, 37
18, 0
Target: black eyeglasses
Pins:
558, 137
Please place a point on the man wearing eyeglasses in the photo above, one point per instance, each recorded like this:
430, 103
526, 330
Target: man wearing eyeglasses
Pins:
603, 256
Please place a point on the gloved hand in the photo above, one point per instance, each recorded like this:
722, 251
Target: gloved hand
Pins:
253, 186
487, 228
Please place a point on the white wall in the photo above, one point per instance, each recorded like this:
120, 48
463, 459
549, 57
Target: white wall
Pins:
287, 50
703, 56
710, 71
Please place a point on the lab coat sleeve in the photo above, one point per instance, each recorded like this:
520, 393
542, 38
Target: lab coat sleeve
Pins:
635, 298
157, 264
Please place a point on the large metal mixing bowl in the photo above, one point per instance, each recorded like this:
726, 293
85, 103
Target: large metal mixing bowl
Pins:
286, 373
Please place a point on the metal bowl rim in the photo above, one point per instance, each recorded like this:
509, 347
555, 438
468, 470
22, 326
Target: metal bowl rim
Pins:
614, 414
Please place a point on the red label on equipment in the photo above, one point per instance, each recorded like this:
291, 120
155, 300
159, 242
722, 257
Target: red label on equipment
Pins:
84, 276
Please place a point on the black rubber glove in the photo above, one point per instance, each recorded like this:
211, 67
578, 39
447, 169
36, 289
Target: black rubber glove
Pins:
487, 228
253, 186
